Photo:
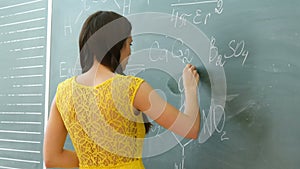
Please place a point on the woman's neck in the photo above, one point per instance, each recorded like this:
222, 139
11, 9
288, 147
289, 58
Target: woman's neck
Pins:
99, 68
98, 73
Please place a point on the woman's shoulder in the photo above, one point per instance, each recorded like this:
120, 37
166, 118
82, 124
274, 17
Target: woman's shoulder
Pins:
66, 83
131, 79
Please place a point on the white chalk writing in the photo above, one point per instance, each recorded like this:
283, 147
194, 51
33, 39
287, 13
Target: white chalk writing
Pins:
211, 121
198, 16
237, 49
178, 50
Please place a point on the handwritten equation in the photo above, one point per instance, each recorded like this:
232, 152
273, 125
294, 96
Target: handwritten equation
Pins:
178, 51
89, 5
211, 123
198, 16
237, 49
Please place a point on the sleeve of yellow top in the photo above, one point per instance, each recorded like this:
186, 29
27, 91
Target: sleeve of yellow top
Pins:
60, 93
135, 84
57, 97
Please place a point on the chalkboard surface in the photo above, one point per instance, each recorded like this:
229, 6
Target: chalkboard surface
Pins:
247, 53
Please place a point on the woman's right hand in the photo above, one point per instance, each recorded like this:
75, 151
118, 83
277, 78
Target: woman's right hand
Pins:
190, 77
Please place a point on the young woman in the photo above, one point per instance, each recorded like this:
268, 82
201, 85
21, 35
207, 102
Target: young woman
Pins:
104, 111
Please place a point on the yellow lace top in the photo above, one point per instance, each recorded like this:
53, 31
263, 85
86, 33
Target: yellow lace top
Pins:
105, 129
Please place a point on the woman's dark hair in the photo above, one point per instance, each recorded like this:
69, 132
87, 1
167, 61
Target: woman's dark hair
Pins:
92, 39
105, 44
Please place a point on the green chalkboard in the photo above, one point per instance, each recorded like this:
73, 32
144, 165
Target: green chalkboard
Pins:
247, 53
23, 44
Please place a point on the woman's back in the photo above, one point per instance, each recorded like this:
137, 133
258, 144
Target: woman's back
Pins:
104, 129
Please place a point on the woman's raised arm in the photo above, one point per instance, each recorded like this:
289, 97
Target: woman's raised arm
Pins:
186, 124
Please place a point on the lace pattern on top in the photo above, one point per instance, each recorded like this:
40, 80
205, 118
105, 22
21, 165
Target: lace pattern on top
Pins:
101, 121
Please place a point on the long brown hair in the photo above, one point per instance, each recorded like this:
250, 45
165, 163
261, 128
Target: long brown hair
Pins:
108, 53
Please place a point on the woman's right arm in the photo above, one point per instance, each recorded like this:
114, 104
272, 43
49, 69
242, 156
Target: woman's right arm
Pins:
186, 124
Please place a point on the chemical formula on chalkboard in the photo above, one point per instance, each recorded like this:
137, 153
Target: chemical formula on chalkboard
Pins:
198, 16
237, 49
